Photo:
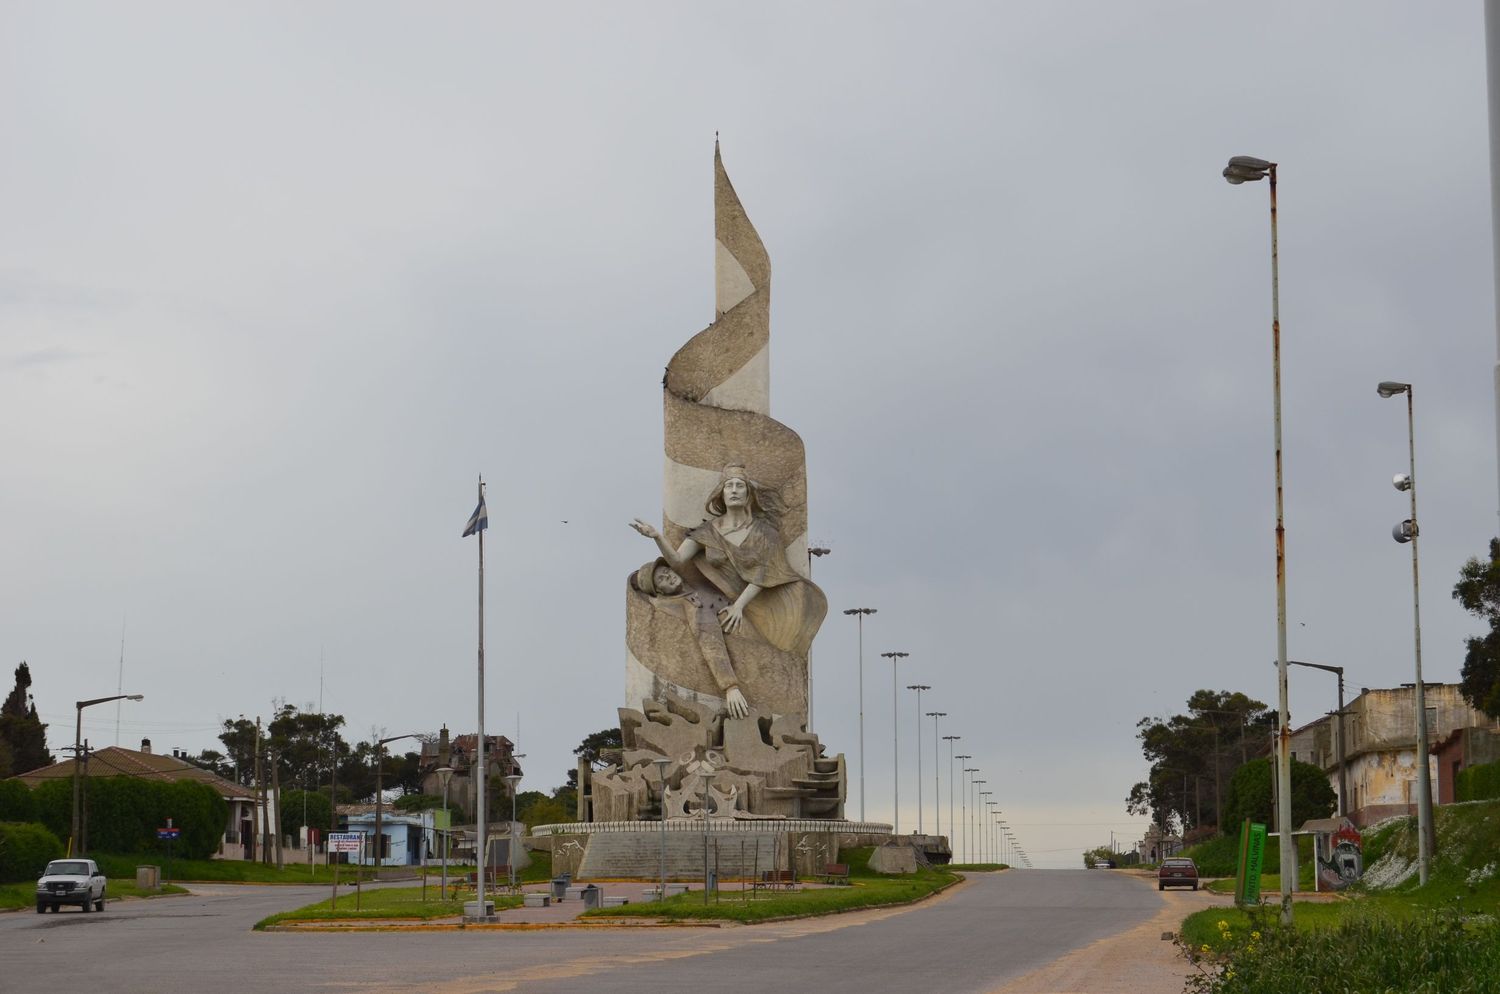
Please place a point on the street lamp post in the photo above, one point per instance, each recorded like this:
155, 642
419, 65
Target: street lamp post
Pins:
818, 551
512, 781
919, 687
661, 776
963, 803
379, 772
75, 842
1242, 169
976, 783
859, 616
444, 774
952, 825
895, 657
984, 836
1339, 671
708, 779
1407, 531
937, 778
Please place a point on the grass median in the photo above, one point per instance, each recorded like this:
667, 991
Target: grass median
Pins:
866, 889
23, 895
385, 903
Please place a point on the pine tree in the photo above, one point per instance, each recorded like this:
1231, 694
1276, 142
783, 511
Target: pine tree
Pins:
20, 727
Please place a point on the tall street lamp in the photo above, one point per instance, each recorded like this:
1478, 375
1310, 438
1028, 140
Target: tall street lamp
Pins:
512, 781
444, 774
968, 829
895, 657
952, 825
818, 551
1407, 531
919, 687
76, 841
1339, 670
984, 835
937, 781
976, 783
859, 616
1243, 169
661, 776
379, 773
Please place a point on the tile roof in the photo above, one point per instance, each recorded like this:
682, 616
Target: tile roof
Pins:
113, 761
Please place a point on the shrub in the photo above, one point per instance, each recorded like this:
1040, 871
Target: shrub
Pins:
25, 849
16, 803
1478, 783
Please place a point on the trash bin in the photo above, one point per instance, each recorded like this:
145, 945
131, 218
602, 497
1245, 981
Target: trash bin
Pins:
560, 886
593, 897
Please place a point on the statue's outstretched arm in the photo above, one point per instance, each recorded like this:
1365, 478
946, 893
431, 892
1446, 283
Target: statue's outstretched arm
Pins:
676, 558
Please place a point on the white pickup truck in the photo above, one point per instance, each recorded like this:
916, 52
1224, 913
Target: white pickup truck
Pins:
70, 881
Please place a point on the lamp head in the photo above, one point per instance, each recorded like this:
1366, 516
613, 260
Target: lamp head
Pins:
1390, 388
1401, 481
1404, 532
1247, 169
136, 697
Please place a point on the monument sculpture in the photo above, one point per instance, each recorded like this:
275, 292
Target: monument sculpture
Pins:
720, 622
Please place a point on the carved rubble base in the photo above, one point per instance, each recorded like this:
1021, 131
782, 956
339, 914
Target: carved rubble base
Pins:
757, 767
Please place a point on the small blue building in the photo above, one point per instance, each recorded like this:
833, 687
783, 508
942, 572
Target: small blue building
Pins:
406, 837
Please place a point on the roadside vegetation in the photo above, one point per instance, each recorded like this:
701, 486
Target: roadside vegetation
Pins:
977, 867
866, 889
1384, 934
385, 903
23, 895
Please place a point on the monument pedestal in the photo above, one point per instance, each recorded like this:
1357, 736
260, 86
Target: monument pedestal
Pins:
475, 914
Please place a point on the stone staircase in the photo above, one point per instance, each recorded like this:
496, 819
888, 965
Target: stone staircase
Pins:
637, 855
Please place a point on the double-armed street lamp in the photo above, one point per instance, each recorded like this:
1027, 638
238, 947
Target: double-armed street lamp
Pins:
1407, 531
895, 657
1248, 169
974, 814
937, 782
952, 825
859, 614
77, 841
379, 773
512, 781
963, 801
919, 687
984, 834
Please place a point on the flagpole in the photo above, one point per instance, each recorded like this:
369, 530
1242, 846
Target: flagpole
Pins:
483, 769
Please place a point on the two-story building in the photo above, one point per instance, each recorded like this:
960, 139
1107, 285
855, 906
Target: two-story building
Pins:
1379, 754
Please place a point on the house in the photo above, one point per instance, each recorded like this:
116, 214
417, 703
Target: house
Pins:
241, 830
1380, 746
1463, 748
406, 837
458, 754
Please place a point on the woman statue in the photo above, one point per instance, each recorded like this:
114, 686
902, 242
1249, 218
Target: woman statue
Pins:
739, 550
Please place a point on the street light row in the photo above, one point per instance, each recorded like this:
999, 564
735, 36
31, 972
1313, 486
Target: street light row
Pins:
983, 833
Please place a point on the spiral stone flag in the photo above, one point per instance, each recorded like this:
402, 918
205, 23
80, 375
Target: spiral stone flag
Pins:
720, 623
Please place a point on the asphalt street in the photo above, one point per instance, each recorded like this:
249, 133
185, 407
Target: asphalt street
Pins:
972, 939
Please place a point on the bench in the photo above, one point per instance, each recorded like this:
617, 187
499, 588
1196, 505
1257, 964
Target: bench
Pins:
537, 900
611, 901
776, 880
836, 873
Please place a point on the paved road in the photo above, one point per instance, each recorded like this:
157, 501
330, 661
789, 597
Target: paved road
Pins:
973, 939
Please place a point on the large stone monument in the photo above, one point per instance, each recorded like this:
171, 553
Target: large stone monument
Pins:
720, 620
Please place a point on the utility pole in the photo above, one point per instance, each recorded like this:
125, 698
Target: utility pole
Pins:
276, 792
262, 853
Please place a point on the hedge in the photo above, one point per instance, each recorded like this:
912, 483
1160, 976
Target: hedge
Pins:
25, 850
1478, 783
125, 812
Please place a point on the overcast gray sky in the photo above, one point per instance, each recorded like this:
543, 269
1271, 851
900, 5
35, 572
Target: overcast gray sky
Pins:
278, 281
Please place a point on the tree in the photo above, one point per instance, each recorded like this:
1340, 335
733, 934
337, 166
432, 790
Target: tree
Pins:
1249, 794
1191, 754
238, 737
304, 744
1478, 590
24, 734
592, 748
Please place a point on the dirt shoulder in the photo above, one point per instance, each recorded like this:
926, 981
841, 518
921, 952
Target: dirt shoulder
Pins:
1136, 961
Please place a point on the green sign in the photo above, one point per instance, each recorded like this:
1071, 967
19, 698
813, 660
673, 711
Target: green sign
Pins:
442, 820
1252, 857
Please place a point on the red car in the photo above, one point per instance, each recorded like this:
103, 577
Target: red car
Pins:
1177, 871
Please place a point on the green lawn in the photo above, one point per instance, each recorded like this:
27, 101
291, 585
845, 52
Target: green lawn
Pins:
23, 895
227, 870
978, 867
866, 890
386, 902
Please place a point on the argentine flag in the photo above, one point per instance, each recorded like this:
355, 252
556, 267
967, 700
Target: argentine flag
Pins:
478, 521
